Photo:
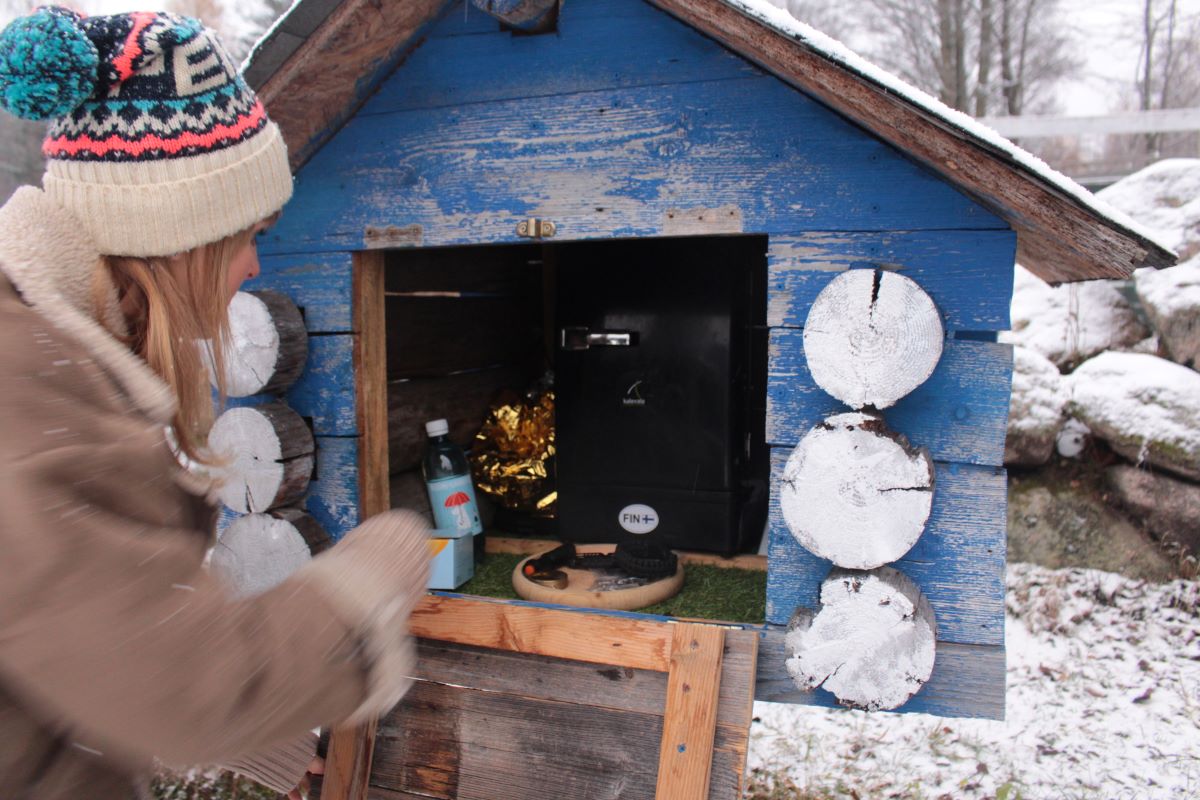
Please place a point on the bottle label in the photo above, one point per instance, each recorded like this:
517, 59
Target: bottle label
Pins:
453, 502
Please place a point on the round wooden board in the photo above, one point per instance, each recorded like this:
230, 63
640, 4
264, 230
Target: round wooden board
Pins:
579, 587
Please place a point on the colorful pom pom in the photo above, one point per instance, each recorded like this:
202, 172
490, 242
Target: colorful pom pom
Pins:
48, 65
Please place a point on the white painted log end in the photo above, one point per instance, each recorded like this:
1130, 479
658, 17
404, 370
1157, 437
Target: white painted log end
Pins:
856, 493
872, 337
267, 454
259, 551
268, 345
872, 644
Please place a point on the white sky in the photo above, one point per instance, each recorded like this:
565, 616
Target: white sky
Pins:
1110, 29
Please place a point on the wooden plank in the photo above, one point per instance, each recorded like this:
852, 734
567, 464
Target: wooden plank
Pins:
565, 680
1060, 237
636, 44
958, 562
333, 496
596, 638
495, 725
689, 725
325, 392
634, 162
370, 371
457, 742
969, 274
528, 547
960, 414
462, 744
348, 763
481, 269
967, 680
319, 283
323, 82
434, 336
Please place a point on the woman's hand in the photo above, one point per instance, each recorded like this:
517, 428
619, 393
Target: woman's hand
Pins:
315, 767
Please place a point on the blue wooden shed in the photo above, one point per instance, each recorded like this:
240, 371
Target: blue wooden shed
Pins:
432, 143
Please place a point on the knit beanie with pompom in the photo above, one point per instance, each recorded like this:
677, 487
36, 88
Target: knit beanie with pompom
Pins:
156, 144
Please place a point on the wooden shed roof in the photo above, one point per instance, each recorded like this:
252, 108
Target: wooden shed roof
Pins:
337, 51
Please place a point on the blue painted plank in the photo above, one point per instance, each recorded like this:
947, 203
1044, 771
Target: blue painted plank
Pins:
959, 414
969, 274
967, 680
333, 497
753, 153
325, 390
318, 283
640, 47
958, 562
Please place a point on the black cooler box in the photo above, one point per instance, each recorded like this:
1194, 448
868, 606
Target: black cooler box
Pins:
660, 371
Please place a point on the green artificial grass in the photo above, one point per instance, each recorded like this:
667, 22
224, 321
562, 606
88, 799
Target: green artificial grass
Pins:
717, 593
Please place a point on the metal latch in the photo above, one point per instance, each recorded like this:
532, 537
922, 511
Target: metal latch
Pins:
536, 228
580, 338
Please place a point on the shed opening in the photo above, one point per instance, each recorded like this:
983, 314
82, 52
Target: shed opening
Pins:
657, 348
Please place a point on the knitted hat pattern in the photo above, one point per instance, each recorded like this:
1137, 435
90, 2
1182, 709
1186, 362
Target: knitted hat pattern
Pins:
156, 144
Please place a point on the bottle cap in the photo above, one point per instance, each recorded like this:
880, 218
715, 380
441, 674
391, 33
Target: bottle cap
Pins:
437, 427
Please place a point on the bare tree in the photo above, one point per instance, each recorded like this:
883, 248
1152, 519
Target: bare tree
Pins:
979, 56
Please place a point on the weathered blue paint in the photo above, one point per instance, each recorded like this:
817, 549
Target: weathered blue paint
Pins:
333, 498
652, 50
325, 390
969, 274
960, 413
318, 283
958, 562
626, 162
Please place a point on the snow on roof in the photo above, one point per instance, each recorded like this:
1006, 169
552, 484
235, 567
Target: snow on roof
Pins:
267, 34
833, 50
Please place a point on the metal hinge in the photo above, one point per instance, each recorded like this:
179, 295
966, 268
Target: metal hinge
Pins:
535, 228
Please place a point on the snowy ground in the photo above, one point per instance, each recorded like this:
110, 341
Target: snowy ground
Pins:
1103, 702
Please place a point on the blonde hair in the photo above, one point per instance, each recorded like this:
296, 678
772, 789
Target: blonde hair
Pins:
173, 305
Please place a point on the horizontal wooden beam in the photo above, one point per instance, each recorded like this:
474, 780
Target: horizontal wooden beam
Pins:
327, 77
578, 635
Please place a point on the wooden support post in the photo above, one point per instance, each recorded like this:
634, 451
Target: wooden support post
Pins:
690, 722
348, 764
370, 371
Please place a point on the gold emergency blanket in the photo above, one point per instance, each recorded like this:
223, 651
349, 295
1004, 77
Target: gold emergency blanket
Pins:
512, 455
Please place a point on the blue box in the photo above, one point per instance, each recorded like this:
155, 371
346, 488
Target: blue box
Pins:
452, 561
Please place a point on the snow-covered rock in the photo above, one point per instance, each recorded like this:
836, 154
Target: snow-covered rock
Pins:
1171, 298
1072, 322
1055, 524
1168, 507
1164, 197
1145, 407
1035, 410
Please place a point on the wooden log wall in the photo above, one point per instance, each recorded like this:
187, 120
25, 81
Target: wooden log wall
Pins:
628, 123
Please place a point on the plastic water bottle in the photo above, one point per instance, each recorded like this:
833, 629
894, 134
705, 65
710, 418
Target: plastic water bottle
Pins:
448, 481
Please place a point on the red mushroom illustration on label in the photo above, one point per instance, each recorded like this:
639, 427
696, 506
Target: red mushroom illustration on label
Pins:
457, 503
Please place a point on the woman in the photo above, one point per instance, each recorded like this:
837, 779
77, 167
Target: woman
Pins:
116, 648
